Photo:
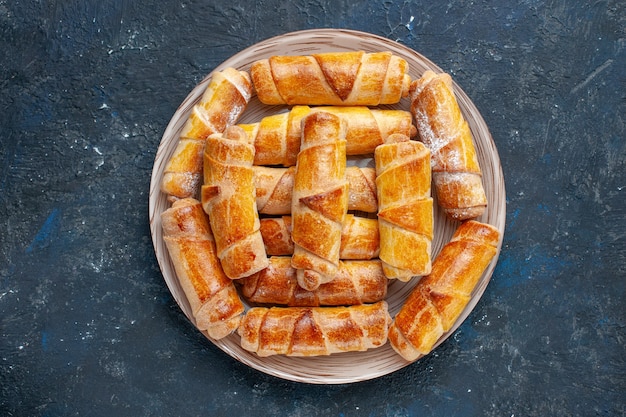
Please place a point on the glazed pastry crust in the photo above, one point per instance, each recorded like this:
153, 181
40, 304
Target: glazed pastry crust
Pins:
314, 331
229, 198
223, 101
356, 282
456, 173
405, 211
438, 299
277, 137
274, 189
214, 301
319, 199
334, 78
359, 237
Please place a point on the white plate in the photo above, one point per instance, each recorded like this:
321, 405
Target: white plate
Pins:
344, 367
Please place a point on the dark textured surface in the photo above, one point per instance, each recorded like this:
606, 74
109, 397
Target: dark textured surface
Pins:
87, 325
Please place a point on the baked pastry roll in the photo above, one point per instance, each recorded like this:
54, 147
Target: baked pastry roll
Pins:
356, 282
277, 137
336, 78
314, 331
359, 237
215, 304
182, 175
438, 299
405, 208
276, 234
229, 198
274, 188
319, 199
456, 173
223, 101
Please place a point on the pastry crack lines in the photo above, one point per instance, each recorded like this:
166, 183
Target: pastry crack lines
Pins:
264, 211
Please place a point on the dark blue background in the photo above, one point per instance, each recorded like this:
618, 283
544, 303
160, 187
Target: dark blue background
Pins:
87, 325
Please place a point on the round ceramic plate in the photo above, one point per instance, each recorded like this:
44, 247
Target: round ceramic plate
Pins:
352, 366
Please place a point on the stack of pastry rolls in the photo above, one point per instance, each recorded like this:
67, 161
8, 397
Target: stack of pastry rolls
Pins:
307, 239
224, 100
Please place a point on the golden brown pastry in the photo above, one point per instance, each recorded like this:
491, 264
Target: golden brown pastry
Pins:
336, 78
214, 302
359, 237
456, 174
314, 331
182, 175
438, 300
223, 101
362, 189
276, 233
229, 198
277, 137
274, 188
405, 207
319, 199
357, 282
